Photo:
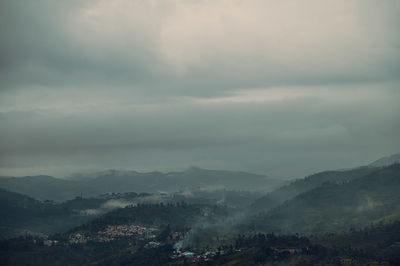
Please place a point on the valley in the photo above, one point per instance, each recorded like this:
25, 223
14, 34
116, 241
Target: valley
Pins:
309, 220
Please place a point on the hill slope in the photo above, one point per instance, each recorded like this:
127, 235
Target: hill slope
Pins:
385, 161
20, 213
280, 195
175, 215
334, 207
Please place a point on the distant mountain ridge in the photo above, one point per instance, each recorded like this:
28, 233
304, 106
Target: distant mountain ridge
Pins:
385, 161
47, 187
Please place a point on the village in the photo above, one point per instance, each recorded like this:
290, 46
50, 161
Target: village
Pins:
113, 232
149, 237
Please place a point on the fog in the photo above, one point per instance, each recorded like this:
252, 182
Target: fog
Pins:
284, 89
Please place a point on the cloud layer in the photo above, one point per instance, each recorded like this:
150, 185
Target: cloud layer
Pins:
282, 88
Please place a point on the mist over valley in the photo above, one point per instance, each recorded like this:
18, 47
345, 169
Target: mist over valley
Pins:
176, 132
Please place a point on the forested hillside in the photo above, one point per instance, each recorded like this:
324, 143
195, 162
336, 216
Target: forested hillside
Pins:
287, 192
334, 207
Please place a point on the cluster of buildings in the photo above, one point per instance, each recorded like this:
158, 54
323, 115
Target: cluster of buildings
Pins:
206, 256
112, 232
78, 239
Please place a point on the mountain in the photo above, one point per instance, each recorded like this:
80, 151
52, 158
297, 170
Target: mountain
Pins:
332, 207
44, 187
47, 187
385, 161
20, 214
287, 192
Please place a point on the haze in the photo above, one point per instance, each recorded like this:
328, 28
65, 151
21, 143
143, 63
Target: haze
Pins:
282, 88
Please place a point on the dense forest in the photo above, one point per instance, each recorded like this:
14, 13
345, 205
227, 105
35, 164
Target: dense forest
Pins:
378, 245
349, 217
334, 207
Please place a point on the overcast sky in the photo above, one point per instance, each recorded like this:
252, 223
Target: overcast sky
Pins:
284, 88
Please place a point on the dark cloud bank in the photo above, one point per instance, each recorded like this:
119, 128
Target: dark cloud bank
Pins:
282, 88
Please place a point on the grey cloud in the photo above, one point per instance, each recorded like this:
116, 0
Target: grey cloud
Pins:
168, 84
51, 43
38, 48
257, 137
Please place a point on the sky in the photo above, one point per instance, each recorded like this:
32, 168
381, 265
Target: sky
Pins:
283, 88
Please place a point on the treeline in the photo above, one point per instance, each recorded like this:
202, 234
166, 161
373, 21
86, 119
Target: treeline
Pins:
379, 244
23, 251
334, 207
380, 235
271, 240
374, 245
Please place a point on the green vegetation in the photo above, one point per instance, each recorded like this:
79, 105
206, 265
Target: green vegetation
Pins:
344, 218
335, 207
24, 251
180, 216
259, 249
375, 245
280, 195
22, 214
